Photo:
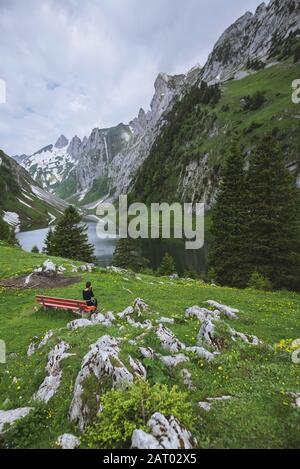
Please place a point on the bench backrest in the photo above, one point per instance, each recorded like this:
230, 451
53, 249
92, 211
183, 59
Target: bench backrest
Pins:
61, 302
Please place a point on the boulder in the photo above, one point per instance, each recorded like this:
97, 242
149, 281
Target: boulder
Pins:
140, 306
147, 352
8, 417
138, 368
96, 319
206, 334
52, 382
296, 397
248, 339
68, 441
35, 346
229, 312
173, 361
78, 324
166, 433
187, 379
127, 312
145, 325
49, 267
103, 362
168, 340
207, 404
203, 353
201, 313
165, 321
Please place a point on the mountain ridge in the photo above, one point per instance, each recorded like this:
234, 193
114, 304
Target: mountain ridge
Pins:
90, 168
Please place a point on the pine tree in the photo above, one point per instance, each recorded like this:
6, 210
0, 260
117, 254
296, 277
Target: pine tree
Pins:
228, 250
274, 217
167, 266
48, 243
35, 250
70, 239
126, 256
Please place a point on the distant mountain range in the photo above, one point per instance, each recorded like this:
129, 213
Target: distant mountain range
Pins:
23, 203
253, 55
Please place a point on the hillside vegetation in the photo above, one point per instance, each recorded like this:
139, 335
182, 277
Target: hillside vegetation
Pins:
22, 196
187, 159
260, 413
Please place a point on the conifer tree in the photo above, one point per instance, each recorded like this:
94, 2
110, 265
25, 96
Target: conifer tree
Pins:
70, 239
167, 266
274, 217
48, 243
126, 255
228, 251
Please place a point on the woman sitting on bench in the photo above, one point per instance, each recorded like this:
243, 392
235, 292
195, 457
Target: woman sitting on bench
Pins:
88, 295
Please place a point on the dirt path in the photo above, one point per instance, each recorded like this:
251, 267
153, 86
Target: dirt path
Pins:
40, 281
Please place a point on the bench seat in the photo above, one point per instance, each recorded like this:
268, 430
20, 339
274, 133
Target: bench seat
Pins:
76, 306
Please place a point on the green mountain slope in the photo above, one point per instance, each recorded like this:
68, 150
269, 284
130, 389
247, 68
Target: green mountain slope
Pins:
22, 202
260, 413
186, 161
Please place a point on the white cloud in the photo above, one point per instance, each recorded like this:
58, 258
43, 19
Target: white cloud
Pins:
71, 65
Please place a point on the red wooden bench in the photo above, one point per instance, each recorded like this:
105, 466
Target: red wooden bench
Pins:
77, 306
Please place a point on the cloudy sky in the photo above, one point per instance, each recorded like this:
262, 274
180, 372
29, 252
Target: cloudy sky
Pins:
72, 65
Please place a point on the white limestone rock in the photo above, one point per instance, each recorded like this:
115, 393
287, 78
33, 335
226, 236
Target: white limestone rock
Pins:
102, 361
296, 397
173, 361
229, 312
205, 406
248, 339
187, 379
49, 267
35, 346
206, 334
147, 352
138, 325
9, 417
138, 368
208, 403
165, 434
203, 353
164, 320
51, 383
140, 306
127, 312
68, 441
78, 324
201, 313
168, 340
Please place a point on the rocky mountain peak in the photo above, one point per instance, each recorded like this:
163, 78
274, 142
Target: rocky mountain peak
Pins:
62, 142
74, 147
252, 37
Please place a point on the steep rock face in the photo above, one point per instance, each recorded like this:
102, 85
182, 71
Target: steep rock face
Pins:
252, 37
112, 154
106, 162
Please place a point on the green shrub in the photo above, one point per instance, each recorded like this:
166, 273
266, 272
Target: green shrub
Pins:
259, 282
167, 266
35, 250
127, 410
